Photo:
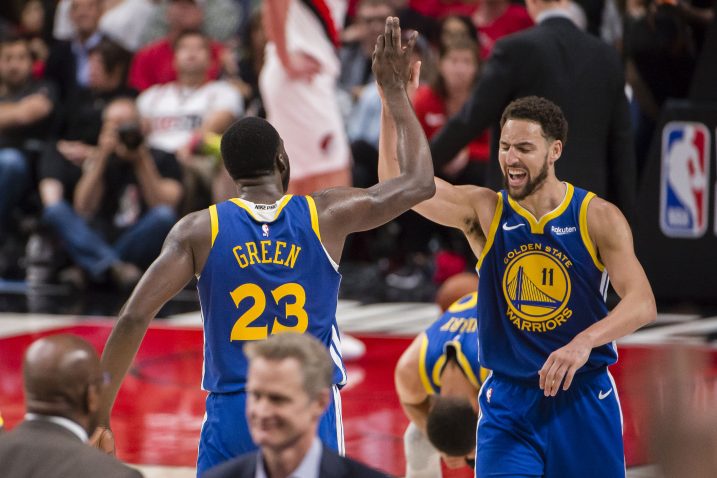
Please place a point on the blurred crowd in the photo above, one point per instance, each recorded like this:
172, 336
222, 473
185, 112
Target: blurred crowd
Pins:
111, 113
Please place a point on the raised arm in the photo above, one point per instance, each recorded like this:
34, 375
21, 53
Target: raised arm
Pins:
413, 396
452, 206
183, 255
612, 239
346, 210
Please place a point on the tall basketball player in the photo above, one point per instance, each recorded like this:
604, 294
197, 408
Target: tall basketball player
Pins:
266, 261
545, 330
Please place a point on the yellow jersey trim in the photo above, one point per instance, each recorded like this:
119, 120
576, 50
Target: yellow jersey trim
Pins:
463, 363
536, 227
585, 234
314, 216
214, 221
422, 367
491, 232
283, 203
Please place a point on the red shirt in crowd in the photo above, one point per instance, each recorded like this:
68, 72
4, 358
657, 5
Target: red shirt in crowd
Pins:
514, 19
441, 8
154, 65
431, 113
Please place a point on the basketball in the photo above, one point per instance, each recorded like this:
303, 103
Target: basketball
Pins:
456, 287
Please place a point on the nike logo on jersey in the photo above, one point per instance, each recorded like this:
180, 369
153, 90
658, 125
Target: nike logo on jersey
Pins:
506, 227
604, 395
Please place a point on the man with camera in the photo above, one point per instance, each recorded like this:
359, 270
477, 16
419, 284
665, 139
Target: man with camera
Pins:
124, 202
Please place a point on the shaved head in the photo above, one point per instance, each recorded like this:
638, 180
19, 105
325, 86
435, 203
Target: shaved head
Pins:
59, 372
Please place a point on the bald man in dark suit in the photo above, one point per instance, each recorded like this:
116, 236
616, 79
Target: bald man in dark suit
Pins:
63, 383
576, 71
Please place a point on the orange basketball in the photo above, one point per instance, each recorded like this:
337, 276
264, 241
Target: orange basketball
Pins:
456, 287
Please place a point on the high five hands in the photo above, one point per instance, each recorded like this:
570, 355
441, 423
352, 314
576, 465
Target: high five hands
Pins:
392, 61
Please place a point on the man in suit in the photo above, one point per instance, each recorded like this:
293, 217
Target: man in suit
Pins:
68, 63
63, 383
288, 391
579, 73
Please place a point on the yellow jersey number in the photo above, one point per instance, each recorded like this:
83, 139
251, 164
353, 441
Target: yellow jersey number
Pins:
242, 329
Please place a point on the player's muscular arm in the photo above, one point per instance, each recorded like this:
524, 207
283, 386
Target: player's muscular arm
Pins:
346, 210
612, 238
184, 252
413, 397
468, 208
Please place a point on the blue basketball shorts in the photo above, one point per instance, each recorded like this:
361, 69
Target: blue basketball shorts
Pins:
577, 433
225, 432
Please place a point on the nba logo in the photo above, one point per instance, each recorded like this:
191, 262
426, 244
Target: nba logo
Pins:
684, 179
265, 230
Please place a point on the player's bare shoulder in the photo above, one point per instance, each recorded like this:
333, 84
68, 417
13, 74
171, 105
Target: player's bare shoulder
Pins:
194, 233
607, 224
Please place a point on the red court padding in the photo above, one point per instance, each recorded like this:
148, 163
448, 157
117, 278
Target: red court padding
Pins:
160, 407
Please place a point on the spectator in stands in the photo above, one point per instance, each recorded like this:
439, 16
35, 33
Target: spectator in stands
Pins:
154, 63
125, 21
359, 40
441, 8
458, 68
73, 141
68, 63
25, 109
124, 203
186, 114
456, 26
496, 19
220, 21
288, 390
63, 384
32, 27
78, 126
575, 70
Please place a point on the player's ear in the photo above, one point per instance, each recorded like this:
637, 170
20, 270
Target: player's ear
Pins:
555, 150
323, 399
282, 165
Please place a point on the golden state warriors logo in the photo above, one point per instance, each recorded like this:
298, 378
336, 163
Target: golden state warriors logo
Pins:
536, 286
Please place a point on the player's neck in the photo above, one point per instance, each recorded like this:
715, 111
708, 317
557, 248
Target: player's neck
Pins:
546, 198
262, 190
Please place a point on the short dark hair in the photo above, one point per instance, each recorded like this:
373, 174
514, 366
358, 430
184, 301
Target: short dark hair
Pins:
113, 57
539, 110
451, 425
467, 23
12, 37
249, 148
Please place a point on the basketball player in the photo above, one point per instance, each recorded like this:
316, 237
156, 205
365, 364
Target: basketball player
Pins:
298, 87
437, 380
267, 262
550, 407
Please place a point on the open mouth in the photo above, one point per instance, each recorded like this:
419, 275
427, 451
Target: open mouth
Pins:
517, 177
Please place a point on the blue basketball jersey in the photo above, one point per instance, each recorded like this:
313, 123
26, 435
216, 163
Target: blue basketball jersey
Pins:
456, 329
267, 273
541, 283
